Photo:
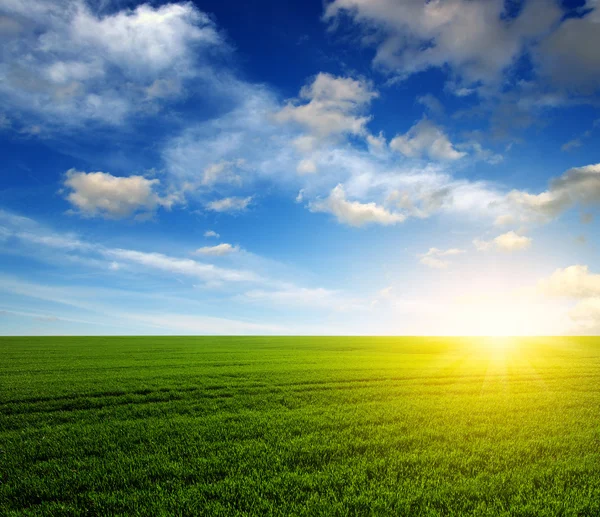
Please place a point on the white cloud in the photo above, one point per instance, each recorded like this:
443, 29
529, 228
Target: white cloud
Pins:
68, 65
578, 283
243, 137
205, 325
4, 122
28, 231
219, 250
205, 272
569, 55
509, 241
471, 37
504, 220
434, 257
573, 281
146, 39
229, 204
579, 140
376, 143
101, 303
354, 213
329, 106
222, 172
210, 234
368, 175
587, 315
422, 203
306, 166
580, 185
65, 242
432, 104
425, 139
480, 153
386, 292
292, 295
287, 153
571, 144
105, 195
482, 245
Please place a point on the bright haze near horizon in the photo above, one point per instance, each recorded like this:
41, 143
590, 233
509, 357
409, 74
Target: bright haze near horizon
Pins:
347, 167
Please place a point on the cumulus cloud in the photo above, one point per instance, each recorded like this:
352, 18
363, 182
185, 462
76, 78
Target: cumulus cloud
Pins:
569, 57
475, 39
354, 213
368, 175
376, 142
65, 63
102, 194
580, 185
577, 282
509, 241
587, 315
573, 281
219, 250
435, 258
210, 234
426, 139
329, 106
229, 204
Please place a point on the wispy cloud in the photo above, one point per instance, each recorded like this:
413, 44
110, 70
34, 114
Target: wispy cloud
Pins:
437, 258
229, 204
219, 250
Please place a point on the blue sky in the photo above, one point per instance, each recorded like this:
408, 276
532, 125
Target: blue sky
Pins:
347, 167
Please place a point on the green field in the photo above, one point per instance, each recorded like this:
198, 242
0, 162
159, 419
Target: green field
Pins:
299, 426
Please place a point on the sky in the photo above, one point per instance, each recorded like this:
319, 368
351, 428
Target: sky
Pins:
365, 167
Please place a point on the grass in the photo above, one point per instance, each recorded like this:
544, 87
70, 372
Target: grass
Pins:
299, 426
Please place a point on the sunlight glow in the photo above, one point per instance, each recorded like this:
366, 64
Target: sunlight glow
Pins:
503, 314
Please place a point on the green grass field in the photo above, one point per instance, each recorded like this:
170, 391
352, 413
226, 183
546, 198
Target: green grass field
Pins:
299, 426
